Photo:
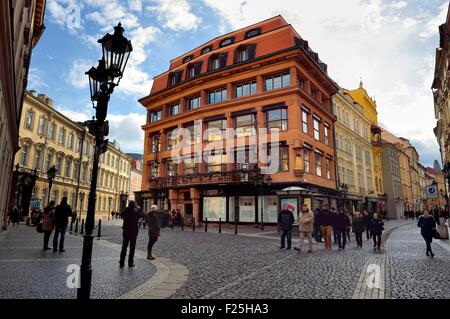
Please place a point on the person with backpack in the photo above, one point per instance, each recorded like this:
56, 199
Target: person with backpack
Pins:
325, 220
48, 223
366, 220
286, 220
62, 213
131, 216
427, 226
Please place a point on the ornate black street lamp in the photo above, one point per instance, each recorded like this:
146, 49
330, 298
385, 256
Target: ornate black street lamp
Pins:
102, 81
81, 195
344, 190
50, 176
109, 209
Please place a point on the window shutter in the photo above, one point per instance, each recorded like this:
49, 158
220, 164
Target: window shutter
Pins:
178, 75
223, 59
197, 67
251, 49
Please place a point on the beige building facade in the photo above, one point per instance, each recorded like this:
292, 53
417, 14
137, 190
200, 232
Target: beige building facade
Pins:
354, 153
48, 138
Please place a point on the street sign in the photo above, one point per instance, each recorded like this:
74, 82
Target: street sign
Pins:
432, 192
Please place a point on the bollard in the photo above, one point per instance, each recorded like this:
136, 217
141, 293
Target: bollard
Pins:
82, 227
76, 227
206, 225
182, 223
235, 227
99, 229
220, 225
193, 224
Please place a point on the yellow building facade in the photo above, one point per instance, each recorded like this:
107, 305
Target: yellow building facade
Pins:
355, 169
369, 106
47, 138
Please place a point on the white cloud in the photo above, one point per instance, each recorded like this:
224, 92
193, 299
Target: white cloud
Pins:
66, 14
433, 23
125, 129
372, 39
77, 76
176, 14
35, 81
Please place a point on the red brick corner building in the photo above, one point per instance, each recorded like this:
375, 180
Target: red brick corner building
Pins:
261, 76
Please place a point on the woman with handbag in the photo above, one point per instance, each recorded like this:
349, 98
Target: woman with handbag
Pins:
48, 223
428, 230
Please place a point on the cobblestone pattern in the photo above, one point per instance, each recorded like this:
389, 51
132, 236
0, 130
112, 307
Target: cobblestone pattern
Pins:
28, 272
410, 273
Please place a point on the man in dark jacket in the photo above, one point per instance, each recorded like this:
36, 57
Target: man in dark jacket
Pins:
317, 231
62, 213
131, 216
334, 213
340, 224
325, 220
285, 220
376, 227
427, 224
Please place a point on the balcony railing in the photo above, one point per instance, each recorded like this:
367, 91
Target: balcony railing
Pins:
224, 177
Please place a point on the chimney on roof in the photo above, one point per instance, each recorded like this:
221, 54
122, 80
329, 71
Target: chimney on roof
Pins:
44, 98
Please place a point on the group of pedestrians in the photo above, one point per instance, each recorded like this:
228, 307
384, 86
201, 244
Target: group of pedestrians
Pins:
325, 223
55, 219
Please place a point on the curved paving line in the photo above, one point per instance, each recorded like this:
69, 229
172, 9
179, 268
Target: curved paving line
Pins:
169, 277
362, 290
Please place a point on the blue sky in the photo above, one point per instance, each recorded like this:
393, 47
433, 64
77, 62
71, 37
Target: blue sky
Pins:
389, 44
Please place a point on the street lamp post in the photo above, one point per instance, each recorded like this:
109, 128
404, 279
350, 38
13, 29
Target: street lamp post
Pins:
81, 194
259, 186
102, 81
109, 207
344, 189
50, 176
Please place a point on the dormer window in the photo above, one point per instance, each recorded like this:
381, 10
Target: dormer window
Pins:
217, 61
175, 78
245, 53
226, 42
194, 69
252, 33
188, 58
206, 49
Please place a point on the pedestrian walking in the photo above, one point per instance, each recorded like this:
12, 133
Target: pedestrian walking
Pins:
286, 220
154, 230
306, 227
325, 220
348, 229
317, 231
366, 219
131, 216
15, 215
62, 213
376, 228
358, 228
334, 214
48, 223
436, 216
341, 224
427, 226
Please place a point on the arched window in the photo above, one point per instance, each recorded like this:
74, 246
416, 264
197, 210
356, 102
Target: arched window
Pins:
253, 33
226, 42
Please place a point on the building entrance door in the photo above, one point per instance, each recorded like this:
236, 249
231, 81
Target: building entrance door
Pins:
188, 217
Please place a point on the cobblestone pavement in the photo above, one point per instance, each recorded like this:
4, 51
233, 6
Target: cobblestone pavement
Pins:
252, 266
26, 271
410, 273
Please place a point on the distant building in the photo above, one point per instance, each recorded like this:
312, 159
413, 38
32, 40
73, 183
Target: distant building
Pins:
135, 174
392, 183
21, 26
436, 165
49, 138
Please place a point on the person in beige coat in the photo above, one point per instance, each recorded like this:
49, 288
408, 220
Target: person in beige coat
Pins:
306, 227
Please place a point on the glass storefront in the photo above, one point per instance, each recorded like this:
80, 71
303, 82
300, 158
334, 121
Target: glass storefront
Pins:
215, 208
269, 207
247, 209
